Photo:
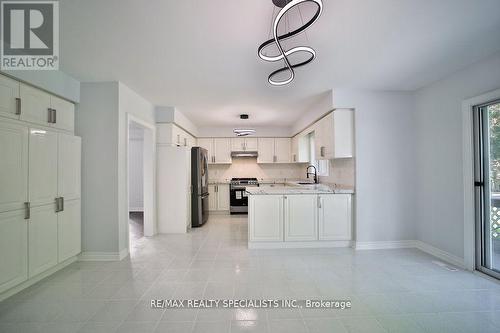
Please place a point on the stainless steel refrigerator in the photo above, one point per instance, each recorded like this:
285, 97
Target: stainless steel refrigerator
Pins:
199, 183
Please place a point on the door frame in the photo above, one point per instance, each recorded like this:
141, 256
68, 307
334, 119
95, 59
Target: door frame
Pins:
149, 175
468, 175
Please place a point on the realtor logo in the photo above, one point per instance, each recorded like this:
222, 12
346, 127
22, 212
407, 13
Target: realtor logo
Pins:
30, 35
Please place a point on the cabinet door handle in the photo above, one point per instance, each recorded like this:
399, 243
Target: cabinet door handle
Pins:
18, 106
62, 204
58, 204
319, 202
54, 117
185, 142
274, 158
27, 211
294, 158
322, 151
49, 115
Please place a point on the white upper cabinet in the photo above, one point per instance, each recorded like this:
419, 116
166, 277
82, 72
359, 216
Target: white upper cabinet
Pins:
207, 144
42, 238
266, 150
301, 217
35, 105
222, 150
251, 144
237, 144
9, 97
282, 150
42, 187
69, 230
334, 135
300, 149
335, 217
39, 107
69, 165
13, 166
64, 114
13, 249
323, 138
274, 150
244, 144
174, 135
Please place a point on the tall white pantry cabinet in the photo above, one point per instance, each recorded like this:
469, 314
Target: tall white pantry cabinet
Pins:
40, 158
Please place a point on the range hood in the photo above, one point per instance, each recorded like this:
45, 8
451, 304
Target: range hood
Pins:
244, 154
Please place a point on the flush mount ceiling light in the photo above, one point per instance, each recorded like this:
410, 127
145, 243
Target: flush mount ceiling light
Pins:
287, 5
243, 131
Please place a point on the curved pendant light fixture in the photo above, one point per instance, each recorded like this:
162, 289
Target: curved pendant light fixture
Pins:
286, 6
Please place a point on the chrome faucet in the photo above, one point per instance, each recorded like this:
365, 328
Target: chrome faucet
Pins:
311, 173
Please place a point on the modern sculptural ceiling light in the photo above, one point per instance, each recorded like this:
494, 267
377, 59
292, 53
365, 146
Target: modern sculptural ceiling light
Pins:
286, 6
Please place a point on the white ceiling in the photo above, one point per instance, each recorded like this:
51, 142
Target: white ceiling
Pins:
201, 56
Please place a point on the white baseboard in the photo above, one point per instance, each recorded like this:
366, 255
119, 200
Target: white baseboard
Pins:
123, 253
35, 279
298, 245
382, 245
443, 255
103, 256
422, 246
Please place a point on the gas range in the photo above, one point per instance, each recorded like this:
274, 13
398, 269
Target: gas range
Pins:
238, 197
245, 181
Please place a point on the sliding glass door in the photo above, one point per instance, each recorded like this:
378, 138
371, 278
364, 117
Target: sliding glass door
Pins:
487, 187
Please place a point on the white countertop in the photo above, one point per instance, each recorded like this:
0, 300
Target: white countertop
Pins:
294, 188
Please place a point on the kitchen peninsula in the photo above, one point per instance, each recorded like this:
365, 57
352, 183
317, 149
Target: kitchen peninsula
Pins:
299, 216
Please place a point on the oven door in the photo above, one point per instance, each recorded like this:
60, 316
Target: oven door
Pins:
238, 199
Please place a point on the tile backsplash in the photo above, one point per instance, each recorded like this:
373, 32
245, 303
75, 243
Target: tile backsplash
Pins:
341, 171
248, 167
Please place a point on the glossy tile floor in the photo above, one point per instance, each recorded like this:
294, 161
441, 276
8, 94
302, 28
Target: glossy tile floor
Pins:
391, 290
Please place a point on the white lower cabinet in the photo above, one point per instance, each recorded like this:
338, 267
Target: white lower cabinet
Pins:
13, 249
335, 215
42, 239
301, 217
69, 230
218, 198
212, 197
223, 197
265, 218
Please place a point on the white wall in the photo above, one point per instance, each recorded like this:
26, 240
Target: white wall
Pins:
169, 114
136, 169
385, 150
439, 153
101, 121
130, 103
96, 121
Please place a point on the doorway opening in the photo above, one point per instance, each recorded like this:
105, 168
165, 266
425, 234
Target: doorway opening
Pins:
140, 182
486, 120
136, 182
